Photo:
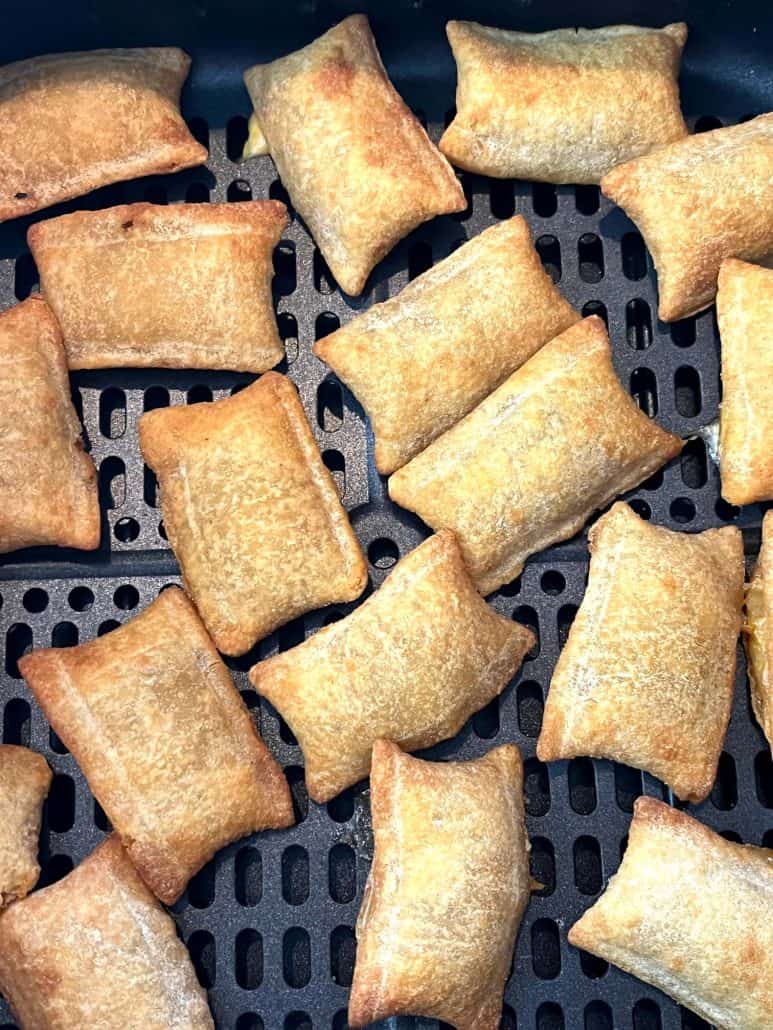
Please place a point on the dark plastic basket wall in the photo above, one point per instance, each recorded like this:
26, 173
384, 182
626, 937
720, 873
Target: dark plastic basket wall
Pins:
269, 922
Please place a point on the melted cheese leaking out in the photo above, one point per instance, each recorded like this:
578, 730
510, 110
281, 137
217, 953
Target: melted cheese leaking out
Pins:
256, 144
755, 628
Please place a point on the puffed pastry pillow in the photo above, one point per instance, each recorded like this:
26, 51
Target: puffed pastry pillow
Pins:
48, 485
758, 631
251, 512
167, 746
357, 164
692, 914
527, 467
24, 782
447, 889
97, 950
562, 106
422, 360
184, 286
411, 665
70, 123
696, 202
745, 316
647, 673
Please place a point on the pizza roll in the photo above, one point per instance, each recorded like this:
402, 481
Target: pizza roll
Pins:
692, 914
411, 665
166, 744
70, 123
447, 889
251, 512
758, 631
422, 360
697, 202
48, 485
646, 676
745, 316
184, 286
527, 467
357, 164
24, 782
562, 106
97, 950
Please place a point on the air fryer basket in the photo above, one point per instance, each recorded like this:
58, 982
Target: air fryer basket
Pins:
270, 921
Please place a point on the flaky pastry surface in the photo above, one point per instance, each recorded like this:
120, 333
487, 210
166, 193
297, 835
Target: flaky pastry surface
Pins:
24, 782
758, 632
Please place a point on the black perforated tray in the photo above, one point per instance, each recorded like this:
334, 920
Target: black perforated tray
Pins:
269, 922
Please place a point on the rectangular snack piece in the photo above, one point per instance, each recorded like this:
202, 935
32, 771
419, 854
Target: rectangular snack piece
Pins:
70, 123
24, 782
145, 285
562, 106
420, 361
526, 468
411, 665
167, 746
692, 914
758, 632
252, 513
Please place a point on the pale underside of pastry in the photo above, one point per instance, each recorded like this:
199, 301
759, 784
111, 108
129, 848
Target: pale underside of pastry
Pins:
167, 746
527, 467
447, 889
562, 106
692, 914
70, 123
251, 511
24, 782
144, 285
758, 631
420, 361
357, 164
745, 316
696, 202
646, 677
48, 484
410, 665
97, 950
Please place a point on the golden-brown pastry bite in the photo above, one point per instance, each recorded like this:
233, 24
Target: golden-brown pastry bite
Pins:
24, 782
48, 485
646, 676
251, 512
696, 202
527, 467
423, 359
184, 286
447, 889
562, 106
411, 664
70, 123
745, 316
692, 914
168, 748
758, 631
357, 164
97, 950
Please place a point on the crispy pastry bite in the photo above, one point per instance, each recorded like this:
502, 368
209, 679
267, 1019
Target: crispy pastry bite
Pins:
423, 359
97, 950
251, 512
647, 673
183, 286
70, 123
48, 485
745, 316
692, 914
24, 782
411, 664
167, 746
357, 164
562, 106
527, 467
696, 202
447, 889
758, 631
